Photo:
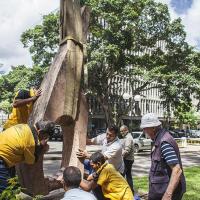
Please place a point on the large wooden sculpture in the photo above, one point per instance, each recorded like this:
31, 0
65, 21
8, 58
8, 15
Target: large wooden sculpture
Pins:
62, 99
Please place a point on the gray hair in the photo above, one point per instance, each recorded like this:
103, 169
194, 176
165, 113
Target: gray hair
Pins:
124, 127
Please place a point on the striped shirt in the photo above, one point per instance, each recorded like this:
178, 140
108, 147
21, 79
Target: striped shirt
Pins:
169, 154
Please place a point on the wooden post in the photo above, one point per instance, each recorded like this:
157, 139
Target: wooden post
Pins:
61, 100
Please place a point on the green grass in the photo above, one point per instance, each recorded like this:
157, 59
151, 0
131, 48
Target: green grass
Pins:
192, 175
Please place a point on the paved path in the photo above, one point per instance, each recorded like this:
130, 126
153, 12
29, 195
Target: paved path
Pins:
190, 157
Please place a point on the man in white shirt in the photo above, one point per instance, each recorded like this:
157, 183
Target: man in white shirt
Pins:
111, 148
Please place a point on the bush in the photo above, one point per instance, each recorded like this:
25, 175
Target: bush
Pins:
12, 190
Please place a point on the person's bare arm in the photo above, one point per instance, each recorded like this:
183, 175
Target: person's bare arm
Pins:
174, 180
88, 185
21, 102
89, 142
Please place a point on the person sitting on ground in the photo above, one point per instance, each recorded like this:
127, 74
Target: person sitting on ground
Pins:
113, 184
22, 143
111, 148
22, 107
72, 180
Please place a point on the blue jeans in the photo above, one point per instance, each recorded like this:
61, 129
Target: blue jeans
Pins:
5, 174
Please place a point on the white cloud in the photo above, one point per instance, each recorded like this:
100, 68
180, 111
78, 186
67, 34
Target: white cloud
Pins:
15, 18
190, 19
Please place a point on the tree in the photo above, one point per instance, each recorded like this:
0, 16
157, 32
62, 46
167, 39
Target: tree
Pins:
126, 42
188, 117
136, 39
5, 106
20, 77
43, 40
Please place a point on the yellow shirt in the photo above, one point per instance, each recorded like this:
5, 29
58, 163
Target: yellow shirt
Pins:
20, 114
17, 145
113, 184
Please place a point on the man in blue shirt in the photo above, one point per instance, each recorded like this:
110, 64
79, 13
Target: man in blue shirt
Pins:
166, 177
72, 180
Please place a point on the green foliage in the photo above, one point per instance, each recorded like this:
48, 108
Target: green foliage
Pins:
43, 40
5, 106
125, 39
186, 114
192, 175
19, 77
11, 192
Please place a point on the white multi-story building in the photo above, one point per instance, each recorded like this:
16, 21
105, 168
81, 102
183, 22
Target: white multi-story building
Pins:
150, 101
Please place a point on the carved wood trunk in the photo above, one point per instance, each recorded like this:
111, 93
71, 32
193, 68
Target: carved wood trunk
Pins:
61, 99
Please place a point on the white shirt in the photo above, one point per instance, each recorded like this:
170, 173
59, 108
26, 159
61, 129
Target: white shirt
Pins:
112, 150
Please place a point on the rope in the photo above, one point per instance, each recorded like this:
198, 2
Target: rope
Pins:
73, 39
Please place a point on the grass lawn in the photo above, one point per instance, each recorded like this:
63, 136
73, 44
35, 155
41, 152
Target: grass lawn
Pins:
192, 175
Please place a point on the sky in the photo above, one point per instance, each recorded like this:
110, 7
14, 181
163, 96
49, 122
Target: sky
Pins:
16, 16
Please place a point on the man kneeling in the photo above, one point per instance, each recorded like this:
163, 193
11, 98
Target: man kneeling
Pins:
72, 179
112, 183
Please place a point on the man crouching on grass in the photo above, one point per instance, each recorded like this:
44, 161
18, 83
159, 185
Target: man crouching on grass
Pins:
112, 183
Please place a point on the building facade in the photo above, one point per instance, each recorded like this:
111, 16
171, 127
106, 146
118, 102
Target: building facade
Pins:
150, 101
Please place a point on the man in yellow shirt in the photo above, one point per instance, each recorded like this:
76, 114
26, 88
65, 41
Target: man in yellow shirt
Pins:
22, 143
112, 183
22, 107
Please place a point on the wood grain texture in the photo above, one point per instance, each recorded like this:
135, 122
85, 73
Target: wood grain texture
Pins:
61, 99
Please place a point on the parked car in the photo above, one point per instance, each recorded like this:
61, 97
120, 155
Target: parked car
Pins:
198, 133
192, 133
141, 141
177, 133
195, 133
57, 133
96, 132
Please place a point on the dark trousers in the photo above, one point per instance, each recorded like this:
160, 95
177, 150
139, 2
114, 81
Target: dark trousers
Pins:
128, 168
98, 193
5, 174
177, 197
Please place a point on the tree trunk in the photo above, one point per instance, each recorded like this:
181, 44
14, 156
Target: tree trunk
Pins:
107, 110
61, 100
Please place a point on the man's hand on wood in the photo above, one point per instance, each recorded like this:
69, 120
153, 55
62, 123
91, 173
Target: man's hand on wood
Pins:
82, 154
38, 93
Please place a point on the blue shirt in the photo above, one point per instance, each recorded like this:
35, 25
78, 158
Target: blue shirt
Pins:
169, 154
77, 194
87, 166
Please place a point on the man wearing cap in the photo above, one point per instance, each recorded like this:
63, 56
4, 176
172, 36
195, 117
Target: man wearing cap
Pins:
166, 178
